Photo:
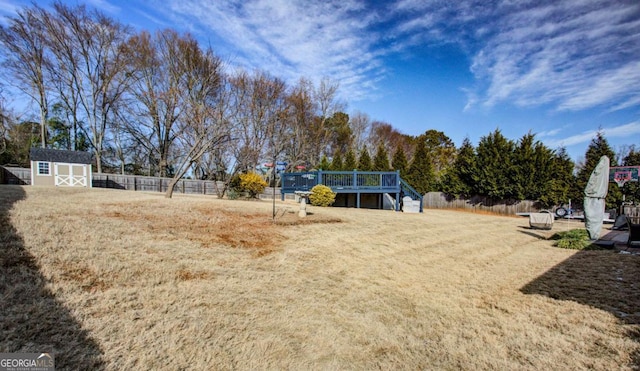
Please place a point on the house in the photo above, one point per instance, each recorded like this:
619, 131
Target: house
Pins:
54, 167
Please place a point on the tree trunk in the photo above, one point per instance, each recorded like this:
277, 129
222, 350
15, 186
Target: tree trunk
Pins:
176, 177
98, 162
170, 188
43, 126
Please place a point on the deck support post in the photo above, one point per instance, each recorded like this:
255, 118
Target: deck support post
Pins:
399, 188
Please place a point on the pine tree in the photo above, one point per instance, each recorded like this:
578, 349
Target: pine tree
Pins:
543, 171
420, 174
458, 179
525, 167
341, 136
631, 190
399, 162
533, 163
350, 161
324, 163
381, 159
364, 161
336, 162
561, 179
495, 171
441, 151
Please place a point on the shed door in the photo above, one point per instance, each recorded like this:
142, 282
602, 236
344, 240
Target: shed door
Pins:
70, 175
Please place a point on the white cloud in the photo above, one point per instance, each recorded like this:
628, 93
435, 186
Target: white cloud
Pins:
570, 54
294, 39
8, 9
549, 133
622, 131
104, 6
574, 57
155, 20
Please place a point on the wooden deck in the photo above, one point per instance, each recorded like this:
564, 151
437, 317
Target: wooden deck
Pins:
351, 182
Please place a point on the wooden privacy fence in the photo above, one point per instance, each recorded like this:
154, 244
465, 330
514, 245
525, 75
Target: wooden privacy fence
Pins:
439, 200
633, 212
154, 184
15, 175
18, 175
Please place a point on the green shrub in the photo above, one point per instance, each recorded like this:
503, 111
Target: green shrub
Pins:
232, 194
321, 195
234, 183
252, 183
575, 239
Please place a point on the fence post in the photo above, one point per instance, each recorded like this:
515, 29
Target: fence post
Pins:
319, 177
355, 181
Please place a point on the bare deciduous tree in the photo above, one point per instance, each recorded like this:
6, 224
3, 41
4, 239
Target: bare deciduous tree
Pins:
201, 126
383, 133
320, 132
95, 50
300, 124
258, 99
154, 106
3, 124
360, 124
26, 57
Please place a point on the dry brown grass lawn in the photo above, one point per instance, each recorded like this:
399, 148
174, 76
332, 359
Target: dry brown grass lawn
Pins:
123, 280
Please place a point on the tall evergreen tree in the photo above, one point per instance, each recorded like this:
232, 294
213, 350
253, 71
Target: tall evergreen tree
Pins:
561, 179
341, 136
324, 163
364, 161
420, 174
533, 163
441, 151
350, 161
632, 158
458, 179
631, 190
336, 162
381, 159
495, 170
544, 160
399, 162
525, 167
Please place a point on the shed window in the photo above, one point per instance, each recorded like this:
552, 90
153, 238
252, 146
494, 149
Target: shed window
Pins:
43, 168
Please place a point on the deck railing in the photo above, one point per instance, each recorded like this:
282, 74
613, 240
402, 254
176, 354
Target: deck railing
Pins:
342, 181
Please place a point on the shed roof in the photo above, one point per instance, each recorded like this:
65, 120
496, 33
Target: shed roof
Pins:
58, 155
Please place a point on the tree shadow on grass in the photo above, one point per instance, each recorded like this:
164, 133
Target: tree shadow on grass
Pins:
601, 279
32, 319
539, 234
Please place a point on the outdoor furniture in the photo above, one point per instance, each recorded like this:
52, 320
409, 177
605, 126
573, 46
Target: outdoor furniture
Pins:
541, 220
621, 223
634, 233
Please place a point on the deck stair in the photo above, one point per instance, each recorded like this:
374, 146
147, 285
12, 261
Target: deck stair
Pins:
355, 182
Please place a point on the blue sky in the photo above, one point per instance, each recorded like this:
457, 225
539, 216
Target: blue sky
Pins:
560, 69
